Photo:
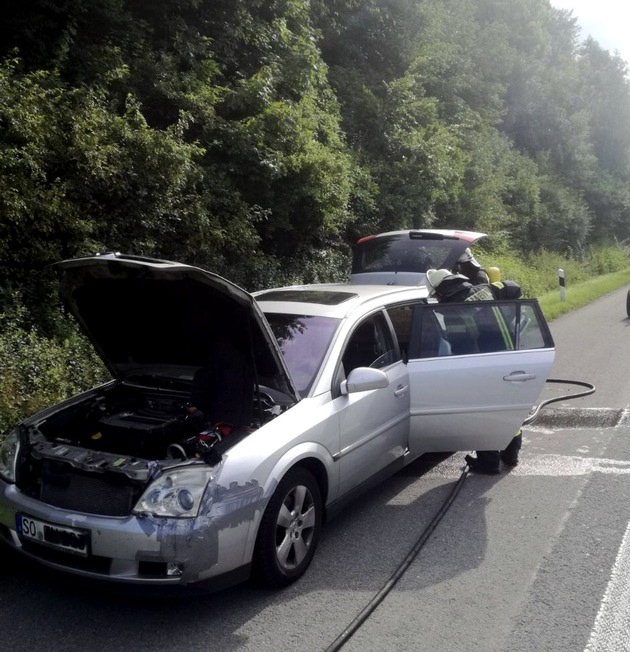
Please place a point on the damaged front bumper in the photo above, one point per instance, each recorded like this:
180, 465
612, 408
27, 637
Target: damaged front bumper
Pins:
141, 549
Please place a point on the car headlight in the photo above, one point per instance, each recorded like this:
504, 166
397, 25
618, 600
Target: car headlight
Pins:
177, 492
8, 456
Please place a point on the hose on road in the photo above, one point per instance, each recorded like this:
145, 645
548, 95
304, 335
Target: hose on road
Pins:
356, 623
399, 572
580, 383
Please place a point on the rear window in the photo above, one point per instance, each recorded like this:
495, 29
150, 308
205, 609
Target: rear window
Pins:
400, 253
303, 340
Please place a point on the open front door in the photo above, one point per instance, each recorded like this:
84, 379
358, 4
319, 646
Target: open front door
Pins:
475, 371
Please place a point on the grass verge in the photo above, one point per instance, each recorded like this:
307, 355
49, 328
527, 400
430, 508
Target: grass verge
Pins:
581, 294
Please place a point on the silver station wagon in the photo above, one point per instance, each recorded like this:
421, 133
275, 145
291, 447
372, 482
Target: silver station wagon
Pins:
234, 425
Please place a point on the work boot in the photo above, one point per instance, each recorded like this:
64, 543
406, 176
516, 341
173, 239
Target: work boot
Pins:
486, 462
510, 454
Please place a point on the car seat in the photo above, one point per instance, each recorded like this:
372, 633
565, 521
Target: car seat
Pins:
461, 333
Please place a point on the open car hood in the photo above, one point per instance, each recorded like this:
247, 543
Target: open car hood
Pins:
403, 257
155, 317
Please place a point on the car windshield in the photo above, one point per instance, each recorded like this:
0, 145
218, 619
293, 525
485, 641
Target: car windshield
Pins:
398, 253
303, 340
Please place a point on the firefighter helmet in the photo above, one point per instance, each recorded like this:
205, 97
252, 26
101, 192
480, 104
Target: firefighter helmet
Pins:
436, 276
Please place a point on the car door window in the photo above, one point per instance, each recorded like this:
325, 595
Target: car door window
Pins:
400, 318
428, 336
420, 333
370, 345
531, 332
475, 327
495, 327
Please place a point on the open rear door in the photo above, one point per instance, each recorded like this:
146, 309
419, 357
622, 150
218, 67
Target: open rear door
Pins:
475, 370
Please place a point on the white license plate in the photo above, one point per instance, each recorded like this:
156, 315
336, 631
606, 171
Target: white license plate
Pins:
54, 536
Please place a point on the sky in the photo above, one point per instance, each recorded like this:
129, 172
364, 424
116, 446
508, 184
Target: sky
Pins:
607, 21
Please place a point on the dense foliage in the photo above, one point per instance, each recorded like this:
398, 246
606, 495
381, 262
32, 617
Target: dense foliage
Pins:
259, 138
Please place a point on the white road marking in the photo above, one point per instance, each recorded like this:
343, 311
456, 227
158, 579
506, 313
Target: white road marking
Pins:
542, 465
611, 632
570, 465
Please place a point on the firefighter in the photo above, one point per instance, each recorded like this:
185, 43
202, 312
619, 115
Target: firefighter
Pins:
447, 286
468, 265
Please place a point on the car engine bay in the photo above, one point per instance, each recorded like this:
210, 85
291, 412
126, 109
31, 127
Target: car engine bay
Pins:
98, 454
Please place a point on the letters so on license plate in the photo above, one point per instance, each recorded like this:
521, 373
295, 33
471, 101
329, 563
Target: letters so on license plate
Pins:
54, 536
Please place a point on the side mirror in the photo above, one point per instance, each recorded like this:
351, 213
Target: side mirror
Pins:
364, 379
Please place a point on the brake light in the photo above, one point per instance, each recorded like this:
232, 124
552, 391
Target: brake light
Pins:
367, 237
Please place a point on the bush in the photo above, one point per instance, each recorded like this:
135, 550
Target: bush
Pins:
538, 272
605, 260
37, 371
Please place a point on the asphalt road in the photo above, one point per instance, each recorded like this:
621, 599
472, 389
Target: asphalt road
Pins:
592, 345
533, 559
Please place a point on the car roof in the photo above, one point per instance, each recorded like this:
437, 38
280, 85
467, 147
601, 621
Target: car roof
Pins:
337, 300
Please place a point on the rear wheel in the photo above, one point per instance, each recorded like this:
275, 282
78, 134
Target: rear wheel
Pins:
289, 530
628, 303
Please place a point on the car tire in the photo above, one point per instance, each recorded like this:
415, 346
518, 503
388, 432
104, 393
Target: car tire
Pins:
628, 303
289, 530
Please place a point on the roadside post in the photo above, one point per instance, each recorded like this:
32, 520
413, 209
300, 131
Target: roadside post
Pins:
563, 294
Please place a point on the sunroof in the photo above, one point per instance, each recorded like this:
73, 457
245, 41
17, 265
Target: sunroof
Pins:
322, 297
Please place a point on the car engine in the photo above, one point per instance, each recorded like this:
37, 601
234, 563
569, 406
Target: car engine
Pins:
98, 454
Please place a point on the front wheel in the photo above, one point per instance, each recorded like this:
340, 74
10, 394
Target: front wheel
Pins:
628, 303
289, 530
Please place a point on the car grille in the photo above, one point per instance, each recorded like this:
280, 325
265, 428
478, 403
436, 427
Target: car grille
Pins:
101, 494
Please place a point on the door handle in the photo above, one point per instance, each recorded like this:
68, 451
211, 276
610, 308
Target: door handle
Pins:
519, 377
401, 390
